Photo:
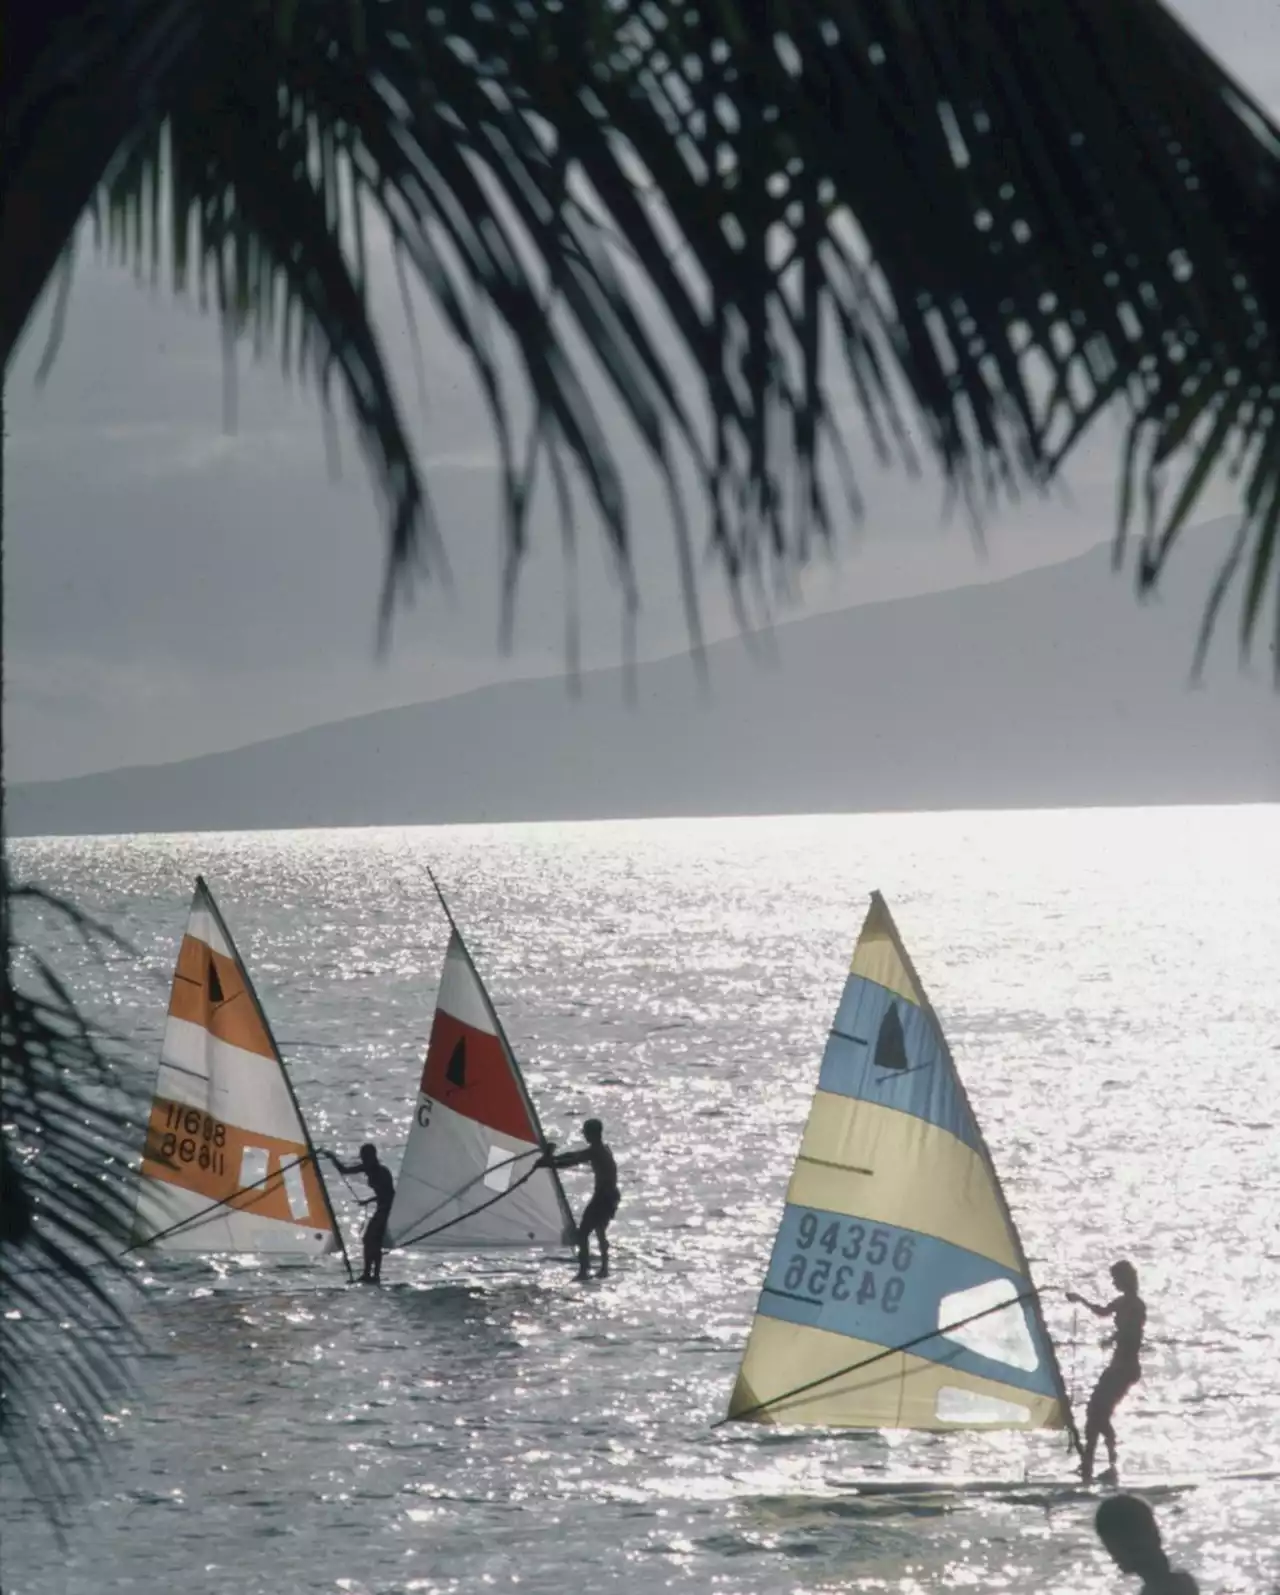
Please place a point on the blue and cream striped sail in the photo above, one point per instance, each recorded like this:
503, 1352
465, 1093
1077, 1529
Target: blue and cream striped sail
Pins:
897, 1295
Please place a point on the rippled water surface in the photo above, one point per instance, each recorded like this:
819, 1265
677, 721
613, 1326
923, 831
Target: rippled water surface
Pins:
1110, 983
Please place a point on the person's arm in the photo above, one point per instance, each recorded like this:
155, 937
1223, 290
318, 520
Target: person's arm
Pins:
1100, 1312
342, 1168
551, 1159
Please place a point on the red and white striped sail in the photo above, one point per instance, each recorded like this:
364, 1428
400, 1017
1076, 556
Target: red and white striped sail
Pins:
466, 1178
228, 1165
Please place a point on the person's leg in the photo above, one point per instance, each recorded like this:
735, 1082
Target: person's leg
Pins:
1090, 1446
1109, 1435
608, 1212
1122, 1389
1102, 1404
374, 1233
1094, 1417
584, 1245
590, 1221
379, 1228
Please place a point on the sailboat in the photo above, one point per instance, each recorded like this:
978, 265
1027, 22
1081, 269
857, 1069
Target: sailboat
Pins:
228, 1165
469, 1177
898, 1294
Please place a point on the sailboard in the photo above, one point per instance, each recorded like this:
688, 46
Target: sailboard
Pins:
469, 1177
228, 1164
1043, 1492
897, 1294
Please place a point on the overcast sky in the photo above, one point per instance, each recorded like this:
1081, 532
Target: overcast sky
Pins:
172, 588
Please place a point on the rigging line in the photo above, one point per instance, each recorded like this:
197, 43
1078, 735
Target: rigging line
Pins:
471, 1213
463, 1189
202, 1213
178, 1068
899, 1074
889, 1351
193, 1218
474, 1180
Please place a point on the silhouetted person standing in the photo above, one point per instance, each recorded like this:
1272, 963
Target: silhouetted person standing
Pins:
1123, 1371
384, 1190
1129, 1534
604, 1199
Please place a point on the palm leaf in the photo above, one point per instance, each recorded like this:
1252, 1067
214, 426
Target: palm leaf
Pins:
65, 1134
993, 219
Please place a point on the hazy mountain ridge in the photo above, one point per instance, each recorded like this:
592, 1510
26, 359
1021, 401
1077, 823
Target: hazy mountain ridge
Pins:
1050, 688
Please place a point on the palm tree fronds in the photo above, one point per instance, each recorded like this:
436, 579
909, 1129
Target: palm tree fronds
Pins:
65, 1141
988, 220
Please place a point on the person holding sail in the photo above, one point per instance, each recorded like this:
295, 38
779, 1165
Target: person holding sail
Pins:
384, 1190
600, 1210
1123, 1371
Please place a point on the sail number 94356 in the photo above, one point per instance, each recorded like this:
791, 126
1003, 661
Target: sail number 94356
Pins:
842, 1260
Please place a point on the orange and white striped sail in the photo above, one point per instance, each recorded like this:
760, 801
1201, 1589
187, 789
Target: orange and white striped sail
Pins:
228, 1164
469, 1176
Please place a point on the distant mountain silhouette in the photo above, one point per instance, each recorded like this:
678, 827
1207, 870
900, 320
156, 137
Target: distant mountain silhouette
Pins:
1051, 688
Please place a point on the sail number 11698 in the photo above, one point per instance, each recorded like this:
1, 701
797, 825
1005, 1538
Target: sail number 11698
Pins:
843, 1260
203, 1143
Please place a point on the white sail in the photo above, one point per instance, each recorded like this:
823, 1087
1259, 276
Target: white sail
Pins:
228, 1165
897, 1294
468, 1178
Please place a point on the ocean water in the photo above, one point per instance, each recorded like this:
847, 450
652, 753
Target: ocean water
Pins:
1109, 984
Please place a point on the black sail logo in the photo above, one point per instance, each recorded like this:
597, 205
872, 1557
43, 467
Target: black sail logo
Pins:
456, 1073
891, 1044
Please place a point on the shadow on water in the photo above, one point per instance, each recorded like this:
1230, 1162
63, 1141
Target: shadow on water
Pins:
479, 1312
849, 1543
268, 1326
794, 1511
241, 1329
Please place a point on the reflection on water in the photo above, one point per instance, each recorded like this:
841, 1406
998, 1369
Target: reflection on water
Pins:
1108, 983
